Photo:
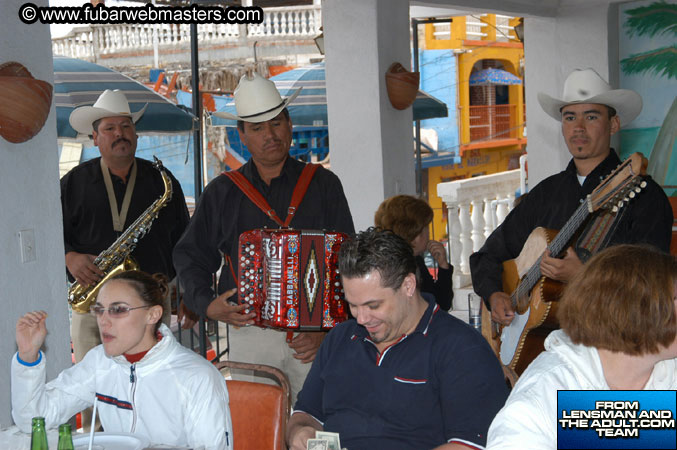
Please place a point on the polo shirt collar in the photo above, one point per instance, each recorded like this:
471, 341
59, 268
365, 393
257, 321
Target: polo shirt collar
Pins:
427, 318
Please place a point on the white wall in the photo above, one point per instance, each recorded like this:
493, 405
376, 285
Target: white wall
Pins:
576, 38
29, 183
371, 142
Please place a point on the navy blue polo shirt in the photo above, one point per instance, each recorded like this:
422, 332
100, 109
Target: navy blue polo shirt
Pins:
438, 384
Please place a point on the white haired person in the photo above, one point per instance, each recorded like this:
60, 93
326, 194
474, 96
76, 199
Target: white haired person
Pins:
143, 380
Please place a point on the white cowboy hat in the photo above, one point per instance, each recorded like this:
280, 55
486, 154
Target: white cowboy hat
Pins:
257, 100
586, 86
109, 104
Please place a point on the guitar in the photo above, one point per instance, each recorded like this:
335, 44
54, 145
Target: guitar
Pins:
534, 297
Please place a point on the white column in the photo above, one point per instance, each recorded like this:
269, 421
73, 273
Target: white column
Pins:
29, 182
576, 39
362, 39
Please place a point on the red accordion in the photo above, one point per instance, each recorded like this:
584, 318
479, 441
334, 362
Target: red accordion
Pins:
290, 278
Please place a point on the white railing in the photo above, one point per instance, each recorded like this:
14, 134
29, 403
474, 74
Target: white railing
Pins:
279, 23
476, 206
293, 21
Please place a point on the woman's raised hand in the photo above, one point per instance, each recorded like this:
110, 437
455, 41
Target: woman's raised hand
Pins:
30, 335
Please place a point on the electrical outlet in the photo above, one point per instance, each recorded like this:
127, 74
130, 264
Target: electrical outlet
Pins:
27, 244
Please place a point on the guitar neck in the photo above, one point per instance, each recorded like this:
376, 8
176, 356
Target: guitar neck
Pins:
556, 247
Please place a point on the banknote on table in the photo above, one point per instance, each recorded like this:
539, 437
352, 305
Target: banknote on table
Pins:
332, 439
317, 444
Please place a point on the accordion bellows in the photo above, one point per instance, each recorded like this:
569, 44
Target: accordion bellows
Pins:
290, 278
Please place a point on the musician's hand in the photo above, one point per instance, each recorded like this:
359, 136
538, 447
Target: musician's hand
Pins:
30, 335
82, 267
501, 308
438, 253
560, 269
222, 310
188, 316
306, 345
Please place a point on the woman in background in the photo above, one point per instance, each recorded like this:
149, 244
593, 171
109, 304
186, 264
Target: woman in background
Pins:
409, 218
144, 381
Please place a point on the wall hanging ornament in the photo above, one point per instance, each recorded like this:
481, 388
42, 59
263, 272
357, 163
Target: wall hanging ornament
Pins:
25, 105
402, 86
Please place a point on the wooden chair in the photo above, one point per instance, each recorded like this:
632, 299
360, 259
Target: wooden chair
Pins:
673, 245
259, 412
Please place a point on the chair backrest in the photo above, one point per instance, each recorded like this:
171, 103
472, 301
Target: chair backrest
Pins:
673, 245
259, 412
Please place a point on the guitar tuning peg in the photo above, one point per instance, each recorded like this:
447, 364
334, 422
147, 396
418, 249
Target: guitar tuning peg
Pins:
642, 184
620, 203
638, 189
614, 209
632, 194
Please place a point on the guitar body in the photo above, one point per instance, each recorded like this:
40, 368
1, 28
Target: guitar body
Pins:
521, 341
534, 297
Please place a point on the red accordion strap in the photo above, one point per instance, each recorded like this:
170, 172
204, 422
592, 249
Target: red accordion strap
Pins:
300, 191
255, 196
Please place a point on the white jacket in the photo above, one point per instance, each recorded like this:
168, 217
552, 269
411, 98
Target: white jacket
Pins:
172, 396
529, 418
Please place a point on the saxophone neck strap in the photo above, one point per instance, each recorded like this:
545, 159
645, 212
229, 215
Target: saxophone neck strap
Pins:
257, 198
119, 216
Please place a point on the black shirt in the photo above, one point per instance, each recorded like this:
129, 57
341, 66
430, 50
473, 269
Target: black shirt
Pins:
88, 224
224, 212
645, 219
440, 288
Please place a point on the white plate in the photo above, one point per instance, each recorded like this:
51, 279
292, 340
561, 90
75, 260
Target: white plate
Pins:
111, 441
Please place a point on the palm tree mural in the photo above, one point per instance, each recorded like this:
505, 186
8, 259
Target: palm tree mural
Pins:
656, 19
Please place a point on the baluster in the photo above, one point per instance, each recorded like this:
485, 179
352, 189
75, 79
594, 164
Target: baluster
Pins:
311, 23
280, 23
90, 43
176, 34
296, 23
138, 34
465, 236
503, 208
113, 33
455, 246
489, 223
477, 219
150, 35
317, 14
267, 25
126, 37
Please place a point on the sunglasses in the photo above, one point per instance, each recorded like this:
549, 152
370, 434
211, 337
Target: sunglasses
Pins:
115, 311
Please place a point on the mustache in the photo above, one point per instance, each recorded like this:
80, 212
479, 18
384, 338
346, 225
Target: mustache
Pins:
121, 140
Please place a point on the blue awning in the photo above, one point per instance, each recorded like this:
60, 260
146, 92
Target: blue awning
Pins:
310, 107
79, 83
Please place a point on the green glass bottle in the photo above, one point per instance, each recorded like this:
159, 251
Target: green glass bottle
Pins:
65, 438
38, 434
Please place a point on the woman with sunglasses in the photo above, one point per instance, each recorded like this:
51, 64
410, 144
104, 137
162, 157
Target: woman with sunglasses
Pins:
144, 381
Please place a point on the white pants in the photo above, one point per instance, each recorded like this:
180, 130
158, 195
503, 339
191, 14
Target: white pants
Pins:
265, 346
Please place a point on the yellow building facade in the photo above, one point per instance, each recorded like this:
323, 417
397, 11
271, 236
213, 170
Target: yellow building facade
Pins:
492, 130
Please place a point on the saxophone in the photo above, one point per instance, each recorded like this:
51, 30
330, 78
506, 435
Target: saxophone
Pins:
116, 259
